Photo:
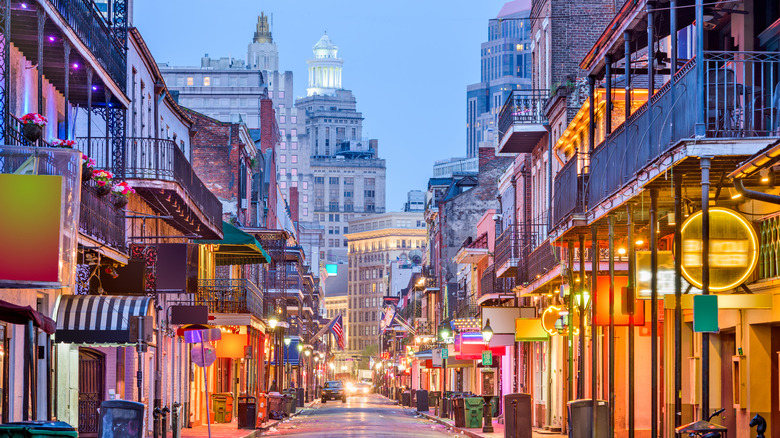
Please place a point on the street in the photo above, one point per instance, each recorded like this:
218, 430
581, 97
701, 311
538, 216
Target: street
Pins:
363, 416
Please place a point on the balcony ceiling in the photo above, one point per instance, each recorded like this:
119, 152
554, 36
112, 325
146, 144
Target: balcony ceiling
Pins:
24, 36
168, 198
521, 138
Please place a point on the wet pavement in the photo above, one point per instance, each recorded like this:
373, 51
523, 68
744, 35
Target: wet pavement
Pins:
361, 416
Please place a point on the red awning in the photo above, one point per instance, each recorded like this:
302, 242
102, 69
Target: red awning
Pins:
15, 314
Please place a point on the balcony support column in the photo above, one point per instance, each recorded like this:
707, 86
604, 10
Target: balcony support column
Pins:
89, 110
109, 163
66, 87
650, 51
627, 58
583, 288
673, 35
41, 24
700, 127
591, 114
608, 83
631, 309
678, 179
611, 336
654, 312
570, 326
705, 163
594, 339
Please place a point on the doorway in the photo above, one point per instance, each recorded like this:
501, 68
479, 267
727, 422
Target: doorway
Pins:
92, 371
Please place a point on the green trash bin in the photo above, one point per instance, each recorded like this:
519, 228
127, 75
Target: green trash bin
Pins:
473, 411
293, 400
222, 407
37, 429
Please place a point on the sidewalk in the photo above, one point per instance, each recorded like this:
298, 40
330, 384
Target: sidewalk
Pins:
231, 430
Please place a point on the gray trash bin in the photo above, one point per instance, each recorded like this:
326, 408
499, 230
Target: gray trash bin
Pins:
517, 413
422, 401
580, 415
121, 418
407, 398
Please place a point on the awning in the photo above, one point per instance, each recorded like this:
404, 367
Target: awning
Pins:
237, 248
14, 314
98, 319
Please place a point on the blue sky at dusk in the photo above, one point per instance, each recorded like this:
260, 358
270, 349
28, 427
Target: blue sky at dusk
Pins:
407, 62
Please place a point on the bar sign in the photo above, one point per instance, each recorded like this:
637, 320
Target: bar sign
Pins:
487, 358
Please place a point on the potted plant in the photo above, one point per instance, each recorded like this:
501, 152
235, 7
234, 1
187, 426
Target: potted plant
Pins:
32, 126
87, 168
122, 192
67, 144
103, 180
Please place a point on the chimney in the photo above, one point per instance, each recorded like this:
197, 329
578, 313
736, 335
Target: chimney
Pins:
485, 155
374, 144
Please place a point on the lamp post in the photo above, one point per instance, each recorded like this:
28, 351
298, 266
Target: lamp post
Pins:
443, 412
272, 322
487, 335
287, 361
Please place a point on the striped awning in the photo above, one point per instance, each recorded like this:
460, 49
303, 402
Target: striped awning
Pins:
98, 319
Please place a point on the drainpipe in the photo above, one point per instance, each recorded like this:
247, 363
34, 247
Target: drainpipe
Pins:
549, 171
754, 195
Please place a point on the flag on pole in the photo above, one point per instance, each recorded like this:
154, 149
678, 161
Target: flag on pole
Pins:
336, 327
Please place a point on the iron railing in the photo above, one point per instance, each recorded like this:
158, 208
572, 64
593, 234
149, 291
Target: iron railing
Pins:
91, 28
507, 246
16, 137
157, 159
490, 284
569, 189
468, 308
100, 219
425, 327
224, 295
538, 262
769, 248
522, 107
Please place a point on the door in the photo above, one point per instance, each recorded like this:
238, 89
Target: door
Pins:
728, 348
92, 370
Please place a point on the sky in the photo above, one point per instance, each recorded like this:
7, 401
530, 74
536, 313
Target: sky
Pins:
407, 62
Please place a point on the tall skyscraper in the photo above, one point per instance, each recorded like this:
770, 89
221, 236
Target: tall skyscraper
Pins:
505, 66
348, 177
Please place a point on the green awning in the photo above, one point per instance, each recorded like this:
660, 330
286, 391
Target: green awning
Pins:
237, 248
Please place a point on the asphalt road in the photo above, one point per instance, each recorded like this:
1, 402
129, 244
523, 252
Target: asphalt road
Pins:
361, 416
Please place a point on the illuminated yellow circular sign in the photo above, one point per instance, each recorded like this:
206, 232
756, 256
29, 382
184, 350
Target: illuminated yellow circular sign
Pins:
733, 249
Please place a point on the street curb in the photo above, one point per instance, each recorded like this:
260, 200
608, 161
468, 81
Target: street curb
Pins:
274, 423
459, 430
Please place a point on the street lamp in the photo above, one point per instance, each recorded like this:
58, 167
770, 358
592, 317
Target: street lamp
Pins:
272, 322
287, 341
487, 335
446, 336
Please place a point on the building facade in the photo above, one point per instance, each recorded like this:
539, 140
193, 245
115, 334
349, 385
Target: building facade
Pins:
374, 242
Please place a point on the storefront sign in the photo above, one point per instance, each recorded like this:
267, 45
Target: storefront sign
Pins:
530, 330
664, 278
436, 358
733, 249
705, 314
549, 316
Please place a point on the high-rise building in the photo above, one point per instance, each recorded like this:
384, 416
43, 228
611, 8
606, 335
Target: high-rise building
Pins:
374, 242
505, 66
415, 201
347, 175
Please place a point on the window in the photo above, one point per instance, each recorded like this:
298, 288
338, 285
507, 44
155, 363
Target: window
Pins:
348, 194
346, 230
282, 145
305, 185
348, 180
333, 180
282, 119
294, 158
305, 211
283, 185
368, 193
294, 132
293, 119
283, 158
206, 81
346, 243
305, 198
319, 180
294, 171
281, 95
295, 145
190, 81
370, 182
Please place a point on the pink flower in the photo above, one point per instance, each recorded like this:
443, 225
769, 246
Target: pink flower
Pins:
122, 188
63, 143
102, 177
89, 162
34, 119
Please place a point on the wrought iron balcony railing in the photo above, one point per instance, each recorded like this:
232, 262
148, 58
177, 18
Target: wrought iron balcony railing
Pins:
538, 262
490, 284
157, 159
230, 296
522, 107
100, 220
92, 30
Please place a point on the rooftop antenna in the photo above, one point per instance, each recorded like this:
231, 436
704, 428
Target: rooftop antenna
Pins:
271, 27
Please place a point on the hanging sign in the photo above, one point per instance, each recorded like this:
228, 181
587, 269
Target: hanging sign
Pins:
487, 358
733, 249
445, 353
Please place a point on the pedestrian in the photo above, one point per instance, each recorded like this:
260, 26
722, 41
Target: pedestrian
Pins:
273, 387
292, 383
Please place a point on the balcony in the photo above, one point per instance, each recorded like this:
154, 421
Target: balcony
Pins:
100, 221
490, 284
230, 296
521, 121
160, 173
540, 261
569, 191
515, 244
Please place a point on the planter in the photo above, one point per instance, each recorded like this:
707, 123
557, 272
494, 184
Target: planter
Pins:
103, 190
86, 172
32, 132
120, 201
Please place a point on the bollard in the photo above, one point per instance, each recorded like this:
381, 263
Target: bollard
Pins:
165, 412
514, 416
156, 415
175, 420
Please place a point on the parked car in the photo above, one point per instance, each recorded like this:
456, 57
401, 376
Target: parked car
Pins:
334, 390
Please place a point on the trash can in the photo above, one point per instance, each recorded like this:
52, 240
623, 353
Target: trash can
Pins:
39, 429
458, 411
422, 401
222, 407
413, 398
473, 411
407, 398
276, 406
580, 412
434, 400
121, 418
262, 409
247, 412
300, 395
289, 404
495, 406
517, 416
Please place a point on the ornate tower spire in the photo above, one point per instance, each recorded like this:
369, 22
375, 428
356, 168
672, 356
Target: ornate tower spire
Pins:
263, 32
325, 68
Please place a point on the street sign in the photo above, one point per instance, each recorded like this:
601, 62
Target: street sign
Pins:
487, 358
445, 353
436, 360
204, 354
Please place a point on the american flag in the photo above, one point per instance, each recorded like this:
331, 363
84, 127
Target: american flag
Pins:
337, 328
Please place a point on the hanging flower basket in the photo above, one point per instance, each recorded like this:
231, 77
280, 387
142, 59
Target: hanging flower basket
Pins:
87, 168
32, 127
122, 192
68, 144
103, 180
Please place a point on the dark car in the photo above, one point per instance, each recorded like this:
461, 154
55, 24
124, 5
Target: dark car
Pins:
334, 390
